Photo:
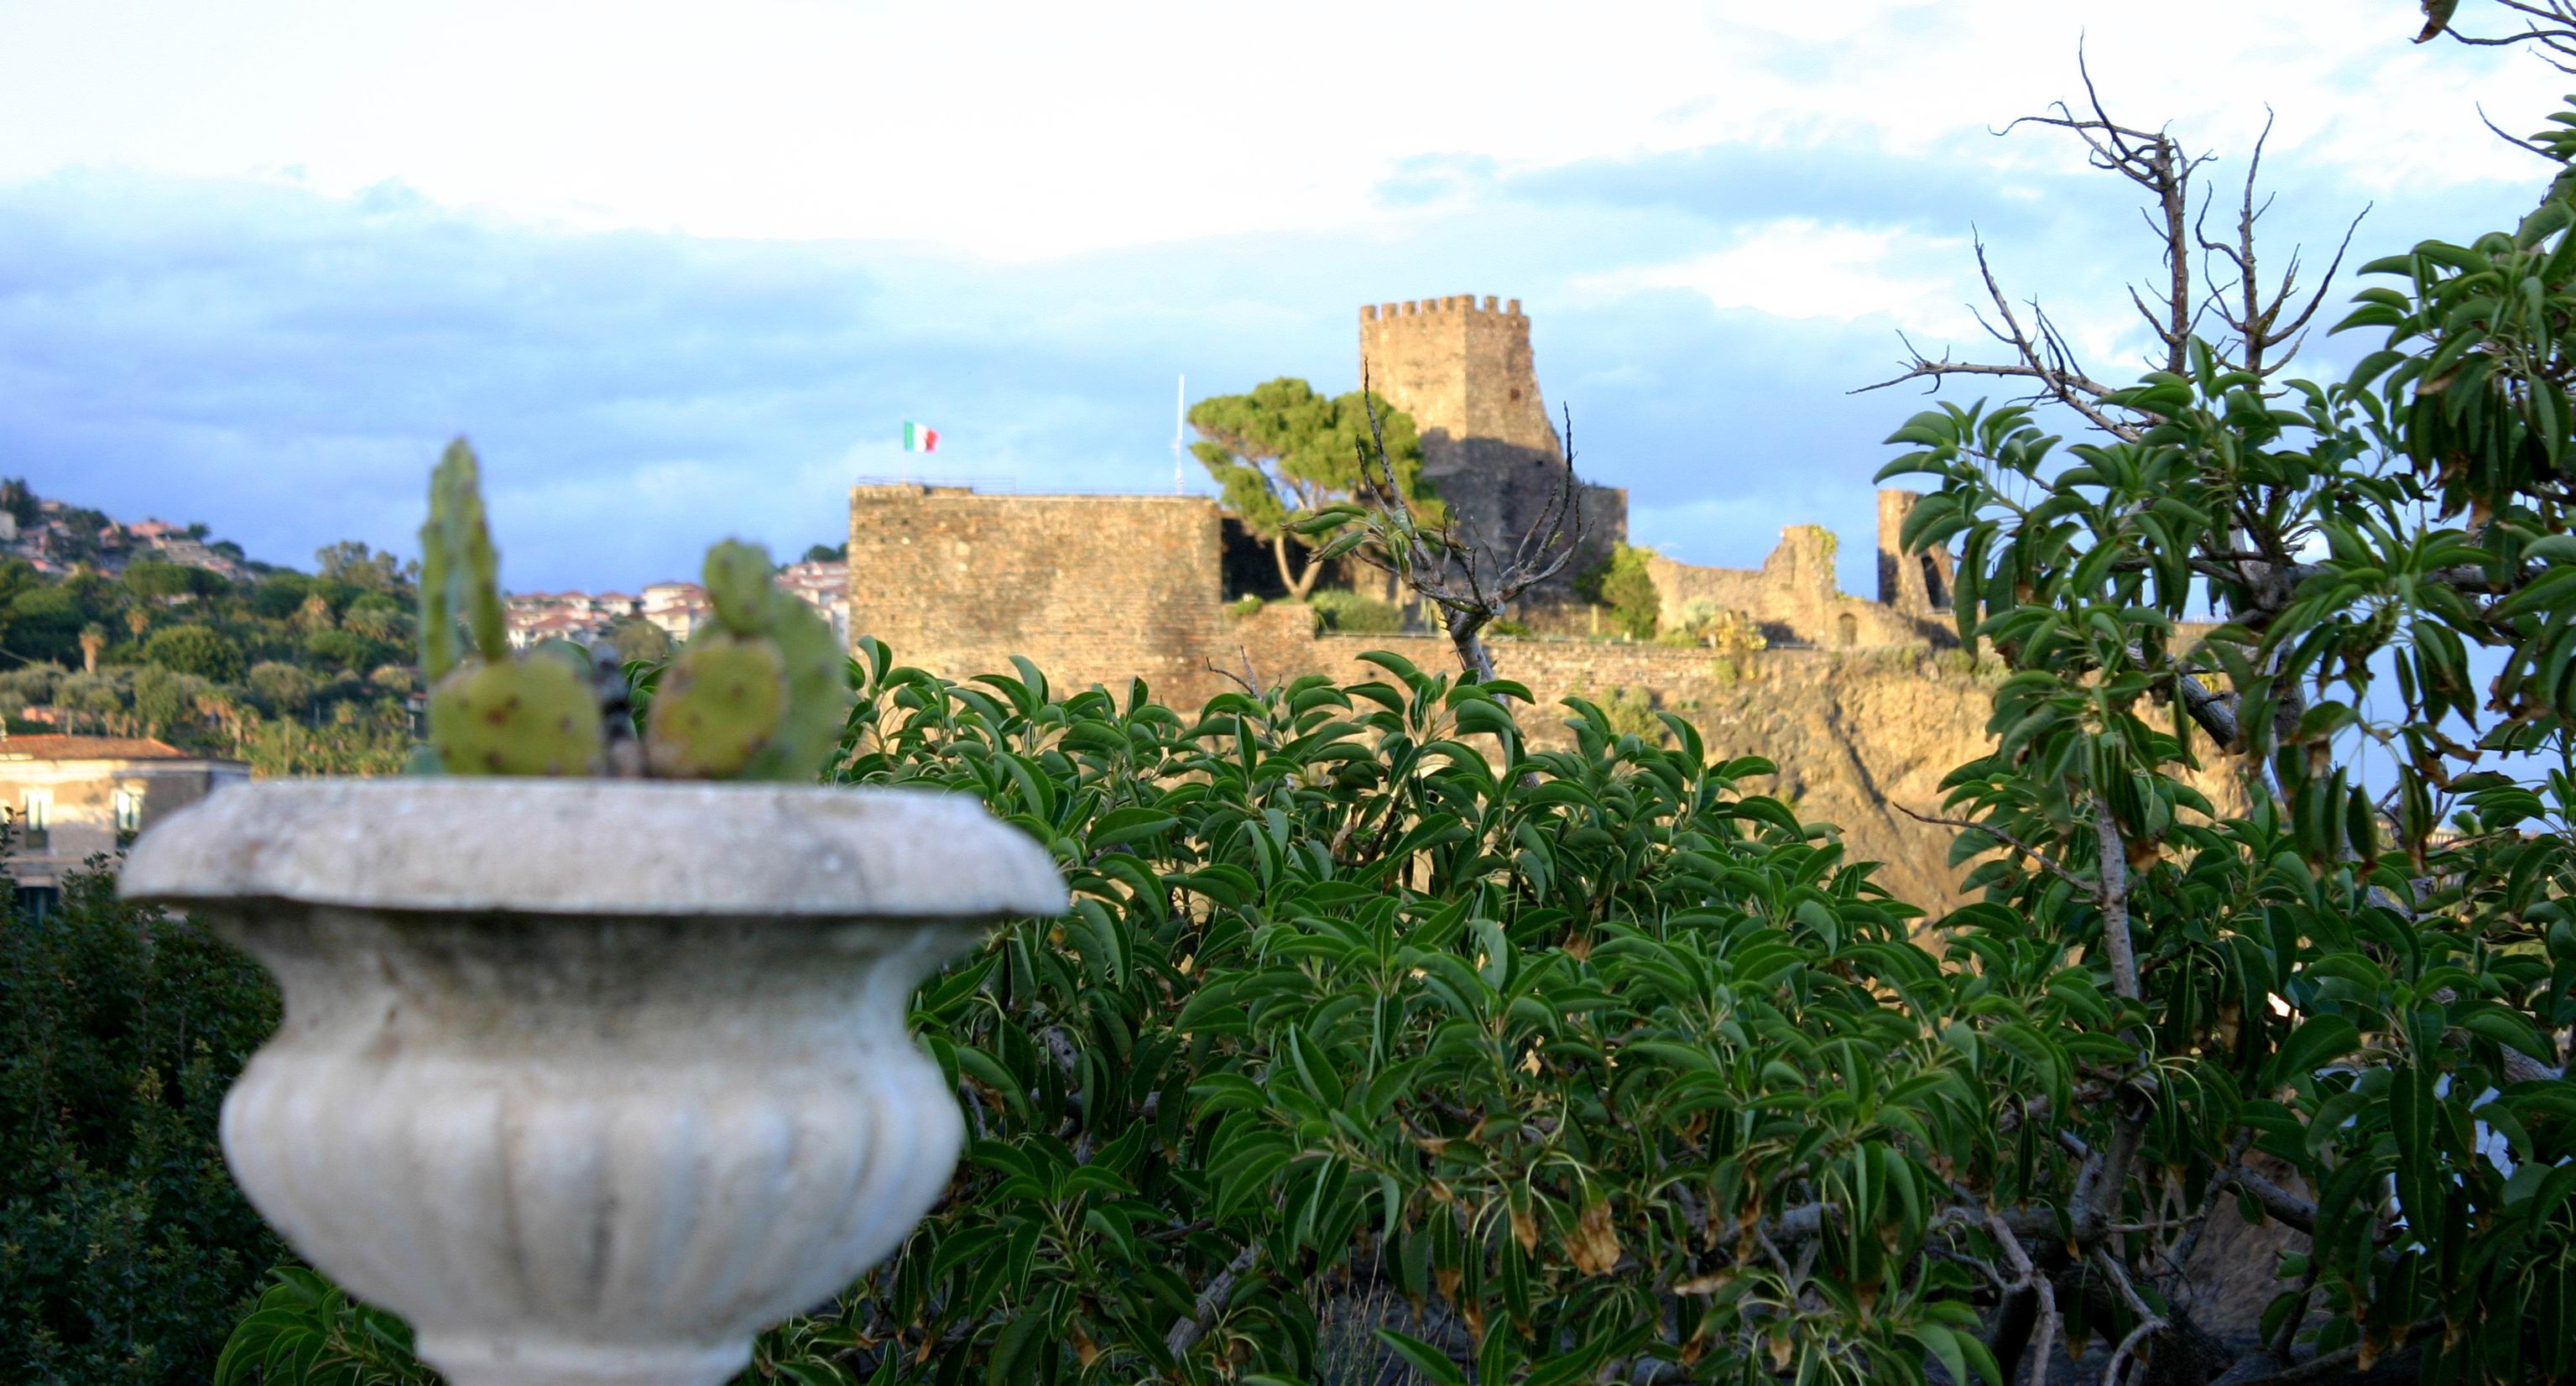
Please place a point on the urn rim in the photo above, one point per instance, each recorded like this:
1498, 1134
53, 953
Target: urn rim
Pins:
627, 848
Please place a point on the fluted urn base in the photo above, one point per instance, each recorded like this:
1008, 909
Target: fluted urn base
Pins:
560, 1364
583, 1128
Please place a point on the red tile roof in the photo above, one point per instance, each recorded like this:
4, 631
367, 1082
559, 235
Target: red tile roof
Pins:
89, 748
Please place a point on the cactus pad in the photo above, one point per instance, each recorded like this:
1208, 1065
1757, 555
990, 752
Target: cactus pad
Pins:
717, 707
818, 693
737, 577
516, 717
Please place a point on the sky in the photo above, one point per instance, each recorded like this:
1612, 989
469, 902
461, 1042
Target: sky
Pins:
684, 270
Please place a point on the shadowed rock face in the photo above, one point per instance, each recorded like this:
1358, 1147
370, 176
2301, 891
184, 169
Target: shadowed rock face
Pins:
1858, 734
1855, 736
1855, 733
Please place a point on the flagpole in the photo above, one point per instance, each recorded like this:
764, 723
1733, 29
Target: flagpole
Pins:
1180, 426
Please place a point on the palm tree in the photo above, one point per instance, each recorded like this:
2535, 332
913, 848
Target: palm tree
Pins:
93, 638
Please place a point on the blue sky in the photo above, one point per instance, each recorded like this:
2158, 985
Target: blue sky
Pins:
683, 271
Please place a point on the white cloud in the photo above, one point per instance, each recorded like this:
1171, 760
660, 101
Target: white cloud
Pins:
1033, 130
1798, 268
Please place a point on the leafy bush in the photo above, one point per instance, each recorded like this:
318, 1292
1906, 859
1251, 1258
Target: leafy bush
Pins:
281, 689
1349, 613
1623, 585
1722, 628
126, 1254
375, 741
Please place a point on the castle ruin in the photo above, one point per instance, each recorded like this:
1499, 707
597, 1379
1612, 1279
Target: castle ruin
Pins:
1863, 702
1469, 379
1104, 588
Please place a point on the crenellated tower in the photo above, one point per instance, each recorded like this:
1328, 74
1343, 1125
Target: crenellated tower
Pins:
1465, 372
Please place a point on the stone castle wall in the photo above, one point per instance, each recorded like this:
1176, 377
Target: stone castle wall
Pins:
1915, 583
1104, 588
1462, 371
1095, 589
1101, 589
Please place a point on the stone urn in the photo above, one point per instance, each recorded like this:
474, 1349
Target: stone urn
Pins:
590, 1080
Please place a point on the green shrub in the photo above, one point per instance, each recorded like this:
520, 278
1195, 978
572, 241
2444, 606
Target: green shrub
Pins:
1625, 711
1349, 613
126, 1254
1968, 664
1624, 585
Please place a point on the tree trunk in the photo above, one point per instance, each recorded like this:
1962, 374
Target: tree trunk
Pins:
1300, 584
1466, 636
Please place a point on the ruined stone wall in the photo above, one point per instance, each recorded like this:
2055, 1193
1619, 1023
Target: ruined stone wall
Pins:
1914, 583
1793, 596
1093, 588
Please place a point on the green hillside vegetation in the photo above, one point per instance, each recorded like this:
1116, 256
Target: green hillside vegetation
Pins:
297, 673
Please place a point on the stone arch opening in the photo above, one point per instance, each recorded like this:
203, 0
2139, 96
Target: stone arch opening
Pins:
1847, 629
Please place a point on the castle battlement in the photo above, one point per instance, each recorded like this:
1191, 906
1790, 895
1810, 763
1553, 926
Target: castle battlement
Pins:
1464, 304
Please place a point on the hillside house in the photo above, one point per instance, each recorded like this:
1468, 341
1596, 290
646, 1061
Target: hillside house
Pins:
69, 798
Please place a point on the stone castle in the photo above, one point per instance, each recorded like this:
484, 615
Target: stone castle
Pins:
1102, 588
1864, 703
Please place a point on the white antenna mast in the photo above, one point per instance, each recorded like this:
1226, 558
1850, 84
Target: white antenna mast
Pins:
1180, 431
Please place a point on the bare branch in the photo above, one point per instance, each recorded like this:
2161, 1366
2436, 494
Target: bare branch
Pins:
2516, 141
2149, 1321
2044, 1342
1470, 587
2288, 1208
1247, 680
2549, 24
1211, 1301
2007, 839
2113, 896
2155, 162
2045, 359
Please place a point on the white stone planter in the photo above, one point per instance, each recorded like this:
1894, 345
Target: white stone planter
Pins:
592, 1080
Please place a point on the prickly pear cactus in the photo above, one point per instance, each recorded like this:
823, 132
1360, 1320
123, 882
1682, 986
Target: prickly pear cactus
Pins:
759, 693
490, 713
737, 576
818, 693
717, 707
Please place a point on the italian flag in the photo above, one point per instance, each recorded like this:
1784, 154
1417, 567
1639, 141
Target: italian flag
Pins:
919, 439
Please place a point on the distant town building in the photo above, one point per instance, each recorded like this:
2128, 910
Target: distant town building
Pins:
580, 617
824, 587
62, 537
70, 798
679, 608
